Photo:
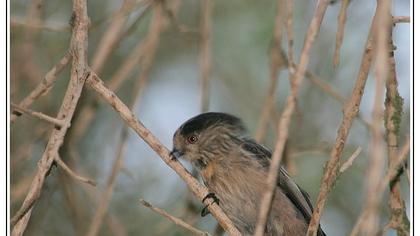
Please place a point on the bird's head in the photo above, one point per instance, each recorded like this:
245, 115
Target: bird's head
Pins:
207, 136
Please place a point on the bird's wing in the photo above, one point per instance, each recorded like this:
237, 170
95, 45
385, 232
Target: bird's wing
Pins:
295, 194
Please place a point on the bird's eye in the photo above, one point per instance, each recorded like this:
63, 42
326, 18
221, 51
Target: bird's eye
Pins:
192, 139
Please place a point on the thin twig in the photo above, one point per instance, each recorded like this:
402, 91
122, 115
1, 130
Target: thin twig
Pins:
50, 26
144, 53
400, 19
390, 176
72, 173
39, 115
351, 110
277, 61
174, 219
78, 76
45, 85
350, 160
284, 121
340, 31
290, 32
106, 196
131, 120
376, 163
111, 36
205, 55
100, 213
133, 59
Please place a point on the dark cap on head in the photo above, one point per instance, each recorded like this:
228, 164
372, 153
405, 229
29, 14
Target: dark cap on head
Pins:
210, 119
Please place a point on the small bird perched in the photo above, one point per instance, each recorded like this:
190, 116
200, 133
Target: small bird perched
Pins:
234, 168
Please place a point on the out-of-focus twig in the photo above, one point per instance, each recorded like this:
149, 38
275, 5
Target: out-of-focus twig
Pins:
290, 33
45, 85
277, 61
78, 76
106, 196
130, 119
110, 37
370, 224
205, 55
48, 26
390, 176
143, 53
350, 160
174, 219
340, 31
284, 121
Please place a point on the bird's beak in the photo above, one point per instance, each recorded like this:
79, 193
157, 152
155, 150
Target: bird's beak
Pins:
175, 154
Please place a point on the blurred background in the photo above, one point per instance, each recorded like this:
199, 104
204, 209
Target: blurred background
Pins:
163, 85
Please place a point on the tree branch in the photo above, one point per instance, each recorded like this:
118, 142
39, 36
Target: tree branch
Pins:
284, 121
78, 76
130, 119
174, 219
351, 110
45, 85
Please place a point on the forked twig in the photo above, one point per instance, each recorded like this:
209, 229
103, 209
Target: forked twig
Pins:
74, 90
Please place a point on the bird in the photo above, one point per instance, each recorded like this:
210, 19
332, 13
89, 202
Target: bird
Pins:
234, 168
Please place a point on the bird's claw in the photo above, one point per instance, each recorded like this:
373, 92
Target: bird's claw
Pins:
205, 210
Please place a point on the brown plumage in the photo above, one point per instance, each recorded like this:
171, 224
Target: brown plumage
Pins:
234, 167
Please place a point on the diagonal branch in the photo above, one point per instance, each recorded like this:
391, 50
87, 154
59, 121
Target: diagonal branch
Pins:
284, 121
131, 120
351, 110
174, 219
72, 173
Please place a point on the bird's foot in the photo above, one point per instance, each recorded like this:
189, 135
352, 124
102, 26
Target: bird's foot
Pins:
205, 210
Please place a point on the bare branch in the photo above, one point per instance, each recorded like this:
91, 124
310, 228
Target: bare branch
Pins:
48, 26
174, 219
143, 53
277, 61
106, 196
351, 110
390, 176
45, 85
393, 112
72, 173
382, 29
39, 115
284, 121
205, 55
130, 119
74, 90
350, 160
340, 31
290, 33
400, 19
111, 36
